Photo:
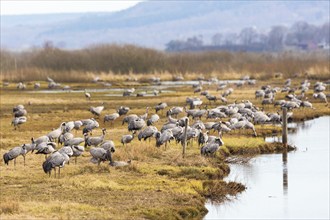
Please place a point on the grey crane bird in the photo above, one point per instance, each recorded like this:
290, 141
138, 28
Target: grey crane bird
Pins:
108, 145
168, 126
227, 92
73, 141
30, 147
212, 147
96, 110
55, 134
198, 89
190, 112
127, 119
56, 159
275, 118
172, 120
14, 153
223, 127
215, 113
100, 155
202, 138
307, 104
67, 150
18, 107
18, 121
204, 93
65, 136
90, 125
198, 125
145, 115
191, 133
221, 86
260, 118
163, 137
69, 126
123, 110
77, 125
128, 92
111, 118
211, 97
20, 113
39, 140
87, 95
290, 105
125, 139
45, 148
321, 96
94, 141
147, 133
199, 113
21, 86
174, 111
177, 132
50, 79
153, 119
141, 94
160, 106
136, 125
77, 150
209, 125
223, 99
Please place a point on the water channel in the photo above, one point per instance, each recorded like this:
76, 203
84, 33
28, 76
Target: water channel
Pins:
280, 186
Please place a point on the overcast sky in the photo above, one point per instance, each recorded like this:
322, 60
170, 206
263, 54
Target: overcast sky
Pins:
14, 7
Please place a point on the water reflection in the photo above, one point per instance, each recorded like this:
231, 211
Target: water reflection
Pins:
267, 180
285, 172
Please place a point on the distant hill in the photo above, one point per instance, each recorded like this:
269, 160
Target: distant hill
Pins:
155, 23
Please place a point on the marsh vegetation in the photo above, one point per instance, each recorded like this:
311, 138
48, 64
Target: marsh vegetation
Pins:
158, 183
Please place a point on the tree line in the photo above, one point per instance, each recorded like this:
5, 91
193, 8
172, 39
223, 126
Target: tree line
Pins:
124, 59
301, 35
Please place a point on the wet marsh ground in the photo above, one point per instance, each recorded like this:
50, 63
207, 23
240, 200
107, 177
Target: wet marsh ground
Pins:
159, 184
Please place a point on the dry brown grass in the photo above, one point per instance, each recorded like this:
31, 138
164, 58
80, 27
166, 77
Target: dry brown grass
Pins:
158, 184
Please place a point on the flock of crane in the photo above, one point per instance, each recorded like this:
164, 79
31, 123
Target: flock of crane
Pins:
238, 116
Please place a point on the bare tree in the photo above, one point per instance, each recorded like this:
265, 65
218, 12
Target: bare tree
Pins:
276, 37
248, 35
217, 39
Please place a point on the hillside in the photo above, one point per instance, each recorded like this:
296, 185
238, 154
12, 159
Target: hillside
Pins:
154, 23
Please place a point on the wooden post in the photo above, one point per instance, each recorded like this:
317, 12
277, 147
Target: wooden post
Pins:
284, 128
184, 144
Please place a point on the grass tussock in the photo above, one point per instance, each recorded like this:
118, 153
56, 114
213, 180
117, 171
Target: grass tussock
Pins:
9, 207
217, 190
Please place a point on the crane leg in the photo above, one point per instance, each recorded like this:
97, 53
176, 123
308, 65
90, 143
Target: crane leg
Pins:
255, 133
75, 160
15, 162
59, 172
24, 159
55, 171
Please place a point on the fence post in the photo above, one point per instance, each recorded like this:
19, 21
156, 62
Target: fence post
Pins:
185, 137
285, 128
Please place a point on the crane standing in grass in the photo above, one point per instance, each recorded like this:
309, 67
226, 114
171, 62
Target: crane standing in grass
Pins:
87, 95
14, 153
57, 159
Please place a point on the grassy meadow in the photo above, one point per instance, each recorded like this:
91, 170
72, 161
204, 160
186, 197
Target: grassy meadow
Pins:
159, 184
